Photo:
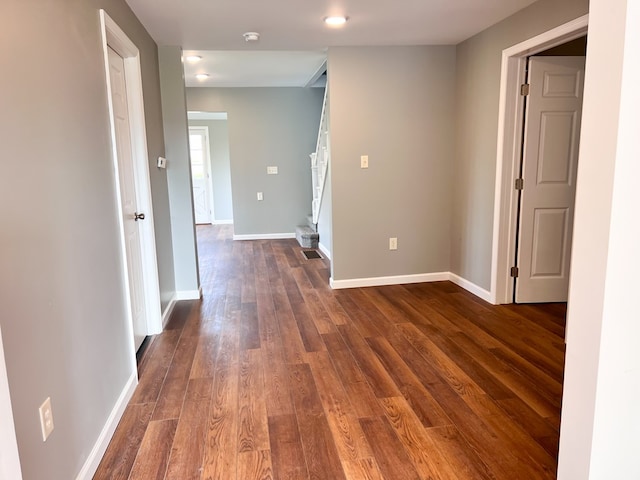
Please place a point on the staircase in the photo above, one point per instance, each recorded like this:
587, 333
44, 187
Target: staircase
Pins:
307, 235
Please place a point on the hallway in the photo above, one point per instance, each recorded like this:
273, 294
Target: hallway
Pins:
273, 375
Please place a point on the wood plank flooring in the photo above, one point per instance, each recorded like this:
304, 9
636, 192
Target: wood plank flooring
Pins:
273, 375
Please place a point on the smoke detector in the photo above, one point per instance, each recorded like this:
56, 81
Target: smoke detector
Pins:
251, 36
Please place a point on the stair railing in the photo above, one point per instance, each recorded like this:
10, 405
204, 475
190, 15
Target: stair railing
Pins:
320, 160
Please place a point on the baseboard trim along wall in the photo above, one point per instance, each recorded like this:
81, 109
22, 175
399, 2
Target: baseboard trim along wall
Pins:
91, 465
222, 222
189, 294
471, 287
395, 280
325, 251
265, 236
166, 315
419, 278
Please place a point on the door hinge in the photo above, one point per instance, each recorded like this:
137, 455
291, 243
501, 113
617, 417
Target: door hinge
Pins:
514, 272
524, 89
519, 183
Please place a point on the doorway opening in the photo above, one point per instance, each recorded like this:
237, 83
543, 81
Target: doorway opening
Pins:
210, 168
510, 149
548, 170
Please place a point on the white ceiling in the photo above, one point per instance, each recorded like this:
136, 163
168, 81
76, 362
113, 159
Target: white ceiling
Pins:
297, 26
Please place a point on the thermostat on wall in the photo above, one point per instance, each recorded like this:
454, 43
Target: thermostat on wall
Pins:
162, 162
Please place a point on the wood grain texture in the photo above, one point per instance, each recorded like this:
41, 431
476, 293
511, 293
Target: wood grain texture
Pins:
153, 456
121, 453
275, 376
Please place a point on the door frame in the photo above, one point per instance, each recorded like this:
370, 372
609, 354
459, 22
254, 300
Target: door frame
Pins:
510, 132
113, 36
207, 162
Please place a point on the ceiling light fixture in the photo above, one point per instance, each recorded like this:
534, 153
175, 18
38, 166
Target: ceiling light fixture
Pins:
202, 76
251, 36
335, 21
193, 58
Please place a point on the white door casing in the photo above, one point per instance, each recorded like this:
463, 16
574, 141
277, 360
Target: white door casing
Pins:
550, 161
201, 175
146, 276
130, 213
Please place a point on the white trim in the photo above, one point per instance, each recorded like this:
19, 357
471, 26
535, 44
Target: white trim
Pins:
394, 280
222, 222
113, 36
325, 251
91, 465
9, 455
166, 315
509, 149
470, 287
405, 279
265, 236
188, 294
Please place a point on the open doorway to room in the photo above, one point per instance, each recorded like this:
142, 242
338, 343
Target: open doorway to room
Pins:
210, 168
548, 171
517, 216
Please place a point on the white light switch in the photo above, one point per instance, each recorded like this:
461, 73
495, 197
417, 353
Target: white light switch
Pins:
364, 161
272, 170
260, 197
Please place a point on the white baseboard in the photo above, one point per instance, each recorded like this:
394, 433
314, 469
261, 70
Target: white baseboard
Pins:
470, 287
325, 251
222, 222
91, 465
188, 294
419, 278
395, 280
166, 315
265, 236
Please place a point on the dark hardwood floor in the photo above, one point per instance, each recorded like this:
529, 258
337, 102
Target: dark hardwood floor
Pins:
273, 375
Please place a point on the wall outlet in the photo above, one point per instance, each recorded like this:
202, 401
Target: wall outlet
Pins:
46, 419
260, 196
364, 161
162, 162
393, 243
272, 170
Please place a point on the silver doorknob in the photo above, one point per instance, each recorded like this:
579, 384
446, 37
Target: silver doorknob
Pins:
138, 216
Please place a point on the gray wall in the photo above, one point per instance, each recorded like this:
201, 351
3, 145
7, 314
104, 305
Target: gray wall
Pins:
176, 136
477, 93
220, 167
61, 289
267, 126
395, 104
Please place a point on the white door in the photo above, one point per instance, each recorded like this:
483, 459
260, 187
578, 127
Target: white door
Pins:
200, 174
126, 176
550, 161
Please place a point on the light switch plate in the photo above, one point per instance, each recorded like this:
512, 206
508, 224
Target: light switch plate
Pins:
260, 196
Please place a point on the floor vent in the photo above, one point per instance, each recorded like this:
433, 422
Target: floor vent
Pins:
311, 254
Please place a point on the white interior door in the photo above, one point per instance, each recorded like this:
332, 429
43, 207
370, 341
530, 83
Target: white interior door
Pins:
201, 174
552, 136
127, 186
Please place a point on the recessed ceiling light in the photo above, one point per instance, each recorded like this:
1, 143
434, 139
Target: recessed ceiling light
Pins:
335, 21
251, 36
193, 58
202, 76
